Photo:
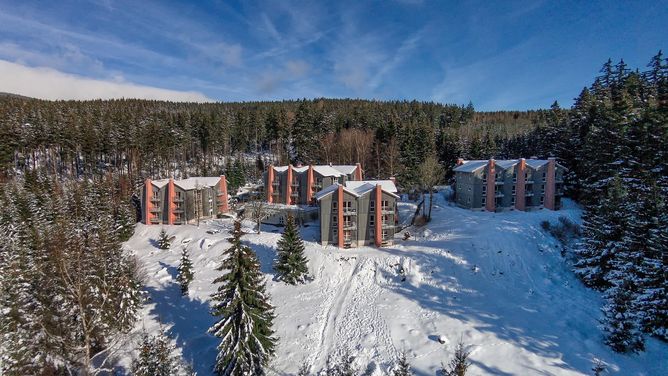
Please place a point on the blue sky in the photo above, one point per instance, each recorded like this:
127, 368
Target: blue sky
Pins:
500, 55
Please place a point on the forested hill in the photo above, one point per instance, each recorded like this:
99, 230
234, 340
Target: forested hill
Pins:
153, 138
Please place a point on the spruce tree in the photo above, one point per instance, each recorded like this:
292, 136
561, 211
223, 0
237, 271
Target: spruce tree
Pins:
245, 314
163, 240
156, 357
402, 367
459, 363
186, 273
620, 322
291, 264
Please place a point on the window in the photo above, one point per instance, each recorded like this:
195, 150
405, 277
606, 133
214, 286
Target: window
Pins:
371, 232
484, 177
544, 175
335, 219
384, 205
514, 188
372, 220
468, 200
514, 177
335, 231
542, 199
512, 200
484, 189
372, 204
542, 188
335, 207
484, 200
347, 206
470, 189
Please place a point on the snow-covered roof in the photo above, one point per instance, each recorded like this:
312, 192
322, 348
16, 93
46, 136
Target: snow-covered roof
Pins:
471, 166
345, 169
358, 188
324, 192
324, 170
386, 185
190, 183
327, 171
193, 182
160, 182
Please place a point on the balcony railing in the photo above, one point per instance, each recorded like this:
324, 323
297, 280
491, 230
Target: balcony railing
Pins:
386, 225
498, 194
178, 199
294, 194
155, 199
349, 226
294, 184
387, 210
156, 210
178, 210
528, 194
349, 211
155, 220
499, 182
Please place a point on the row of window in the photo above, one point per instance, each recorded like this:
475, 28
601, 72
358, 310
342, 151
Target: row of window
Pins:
347, 234
499, 175
347, 220
348, 206
512, 200
526, 188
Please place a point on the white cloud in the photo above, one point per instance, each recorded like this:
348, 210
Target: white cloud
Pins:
47, 83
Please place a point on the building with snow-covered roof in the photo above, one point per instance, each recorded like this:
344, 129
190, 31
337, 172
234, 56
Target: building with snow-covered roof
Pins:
175, 202
358, 213
499, 185
297, 185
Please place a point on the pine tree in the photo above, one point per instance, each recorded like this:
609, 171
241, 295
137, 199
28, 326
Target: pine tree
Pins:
303, 370
342, 366
459, 363
246, 316
291, 264
402, 367
163, 240
185, 274
620, 322
156, 357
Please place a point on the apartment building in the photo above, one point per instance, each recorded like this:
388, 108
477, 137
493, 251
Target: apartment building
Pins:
175, 202
358, 213
297, 185
516, 184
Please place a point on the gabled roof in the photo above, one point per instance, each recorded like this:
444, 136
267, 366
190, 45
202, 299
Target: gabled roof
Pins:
359, 188
386, 185
471, 166
345, 169
323, 170
190, 183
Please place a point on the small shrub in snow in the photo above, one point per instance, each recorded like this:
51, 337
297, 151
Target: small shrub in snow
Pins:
163, 240
598, 368
459, 363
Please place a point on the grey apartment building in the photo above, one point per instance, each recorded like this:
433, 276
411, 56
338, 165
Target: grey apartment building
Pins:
297, 185
515, 184
358, 213
175, 202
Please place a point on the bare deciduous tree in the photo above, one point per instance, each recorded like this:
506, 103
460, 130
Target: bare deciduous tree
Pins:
431, 173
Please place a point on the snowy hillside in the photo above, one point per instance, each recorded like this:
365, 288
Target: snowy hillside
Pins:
494, 280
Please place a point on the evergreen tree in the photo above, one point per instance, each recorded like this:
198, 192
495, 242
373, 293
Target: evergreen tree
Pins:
156, 357
620, 323
291, 264
402, 367
163, 240
459, 363
246, 316
303, 370
342, 366
186, 273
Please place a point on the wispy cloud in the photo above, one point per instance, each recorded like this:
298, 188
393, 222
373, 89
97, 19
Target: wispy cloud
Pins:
48, 83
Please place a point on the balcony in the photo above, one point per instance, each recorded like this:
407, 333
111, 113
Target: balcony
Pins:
155, 199
498, 194
178, 210
528, 194
499, 182
178, 199
274, 193
155, 220
294, 184
387, 210
349, 226
155, 210
386, 225
349, 211
294, 194
528, 181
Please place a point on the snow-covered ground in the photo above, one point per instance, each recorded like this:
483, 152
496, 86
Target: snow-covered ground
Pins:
495, 281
